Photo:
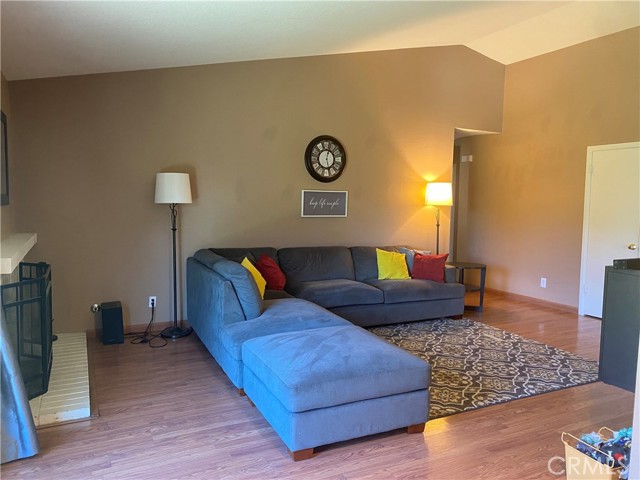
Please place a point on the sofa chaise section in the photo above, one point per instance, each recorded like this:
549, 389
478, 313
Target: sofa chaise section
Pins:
328, 385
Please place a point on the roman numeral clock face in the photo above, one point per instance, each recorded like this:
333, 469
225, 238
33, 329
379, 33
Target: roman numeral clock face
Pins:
325, 158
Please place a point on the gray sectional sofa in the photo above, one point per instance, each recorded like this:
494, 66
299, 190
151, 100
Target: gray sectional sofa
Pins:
329, 293
225, 309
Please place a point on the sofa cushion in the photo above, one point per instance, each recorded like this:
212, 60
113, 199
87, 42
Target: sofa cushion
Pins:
238, 254
270, 294
304, 264
336, 293
320, 368
283, 315
271, 272
365, 261
399, 291
450, 274
429, 267
243, 284
248, 256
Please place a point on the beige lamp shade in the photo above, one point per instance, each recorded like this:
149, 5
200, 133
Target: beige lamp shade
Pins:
173, 188
439, 194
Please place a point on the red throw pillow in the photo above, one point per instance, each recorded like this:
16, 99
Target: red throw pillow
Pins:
429, 267
271, 272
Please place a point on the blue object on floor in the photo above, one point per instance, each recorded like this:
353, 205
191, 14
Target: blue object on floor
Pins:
19, 439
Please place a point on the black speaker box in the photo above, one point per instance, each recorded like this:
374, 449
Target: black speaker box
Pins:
109, 323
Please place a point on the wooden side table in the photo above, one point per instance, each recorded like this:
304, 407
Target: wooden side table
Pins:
460, 268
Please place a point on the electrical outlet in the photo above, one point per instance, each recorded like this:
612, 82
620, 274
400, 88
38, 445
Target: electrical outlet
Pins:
152, 301
543, 282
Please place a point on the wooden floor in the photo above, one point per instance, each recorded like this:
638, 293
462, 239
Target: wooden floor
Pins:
171, 413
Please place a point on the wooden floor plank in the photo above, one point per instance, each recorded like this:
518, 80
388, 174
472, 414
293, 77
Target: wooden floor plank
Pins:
172, 413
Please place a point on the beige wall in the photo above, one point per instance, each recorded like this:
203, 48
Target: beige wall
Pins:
7, 226
526, 185
89, 148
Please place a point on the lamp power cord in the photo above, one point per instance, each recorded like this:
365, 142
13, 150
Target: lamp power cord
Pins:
148, 336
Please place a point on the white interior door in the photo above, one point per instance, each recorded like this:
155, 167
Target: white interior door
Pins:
611, 227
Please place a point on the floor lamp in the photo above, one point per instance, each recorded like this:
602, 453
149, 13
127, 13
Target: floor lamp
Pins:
439, 194
173, 189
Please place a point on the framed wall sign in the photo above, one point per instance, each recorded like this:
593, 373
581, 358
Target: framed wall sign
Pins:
323, 203
4, 174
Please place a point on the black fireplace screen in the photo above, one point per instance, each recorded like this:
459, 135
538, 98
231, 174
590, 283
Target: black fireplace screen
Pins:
26, 307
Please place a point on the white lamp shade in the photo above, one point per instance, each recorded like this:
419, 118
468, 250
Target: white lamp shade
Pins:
439, 194
173, 188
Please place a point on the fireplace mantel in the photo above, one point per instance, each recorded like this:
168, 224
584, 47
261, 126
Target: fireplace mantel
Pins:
13, 250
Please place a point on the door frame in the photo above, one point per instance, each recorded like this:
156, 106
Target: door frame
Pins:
586, 212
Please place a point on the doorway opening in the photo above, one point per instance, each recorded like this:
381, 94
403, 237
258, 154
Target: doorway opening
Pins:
462, 161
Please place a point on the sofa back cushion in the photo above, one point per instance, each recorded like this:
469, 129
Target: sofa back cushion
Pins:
365, 261
238, 254
305, 264
243, 284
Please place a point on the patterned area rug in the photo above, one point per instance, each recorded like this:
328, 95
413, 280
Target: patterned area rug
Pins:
475, 365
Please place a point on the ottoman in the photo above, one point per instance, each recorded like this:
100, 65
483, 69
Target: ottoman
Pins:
321, 386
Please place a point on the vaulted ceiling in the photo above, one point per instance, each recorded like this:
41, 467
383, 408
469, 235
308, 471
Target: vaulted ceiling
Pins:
59, 38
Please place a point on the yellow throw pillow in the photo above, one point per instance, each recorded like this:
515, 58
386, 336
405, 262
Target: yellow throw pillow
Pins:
260, 281
391, 265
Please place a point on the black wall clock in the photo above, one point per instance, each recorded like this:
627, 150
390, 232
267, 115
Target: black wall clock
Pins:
325, 158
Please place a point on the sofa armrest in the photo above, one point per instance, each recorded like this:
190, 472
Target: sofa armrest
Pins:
450, 274
240, 278
207, 258
211, 299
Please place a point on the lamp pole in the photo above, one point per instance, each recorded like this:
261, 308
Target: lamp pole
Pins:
175, 331
437, 230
